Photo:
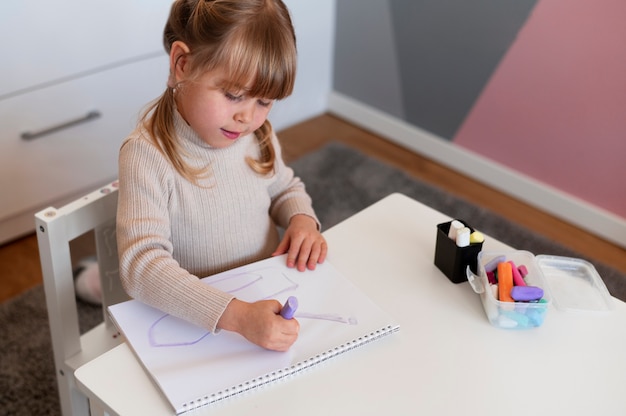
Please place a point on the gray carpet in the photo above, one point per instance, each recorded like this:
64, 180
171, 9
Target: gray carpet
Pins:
341, 181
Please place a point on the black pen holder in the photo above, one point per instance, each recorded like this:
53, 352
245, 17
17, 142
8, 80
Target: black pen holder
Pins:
451, 259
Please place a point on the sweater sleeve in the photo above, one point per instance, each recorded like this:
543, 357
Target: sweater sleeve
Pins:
288, 193
148, 270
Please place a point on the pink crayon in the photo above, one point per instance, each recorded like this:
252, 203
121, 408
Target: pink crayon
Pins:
518, 280
523, 270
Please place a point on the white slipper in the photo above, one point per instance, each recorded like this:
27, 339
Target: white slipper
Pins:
87, 282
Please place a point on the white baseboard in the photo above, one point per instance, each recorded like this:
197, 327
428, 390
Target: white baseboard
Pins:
558, 203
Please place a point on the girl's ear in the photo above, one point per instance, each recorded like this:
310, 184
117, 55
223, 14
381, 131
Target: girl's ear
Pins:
178, 63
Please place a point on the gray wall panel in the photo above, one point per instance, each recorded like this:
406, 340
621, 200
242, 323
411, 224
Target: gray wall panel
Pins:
444, 52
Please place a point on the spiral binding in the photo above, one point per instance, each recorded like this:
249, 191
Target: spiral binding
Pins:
287, 371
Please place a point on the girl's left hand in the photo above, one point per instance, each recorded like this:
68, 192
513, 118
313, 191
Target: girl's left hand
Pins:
304, 244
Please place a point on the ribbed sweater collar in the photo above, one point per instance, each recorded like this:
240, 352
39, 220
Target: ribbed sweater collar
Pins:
191, 142
187, 136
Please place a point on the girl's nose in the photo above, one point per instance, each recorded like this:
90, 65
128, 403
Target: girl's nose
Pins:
245, 113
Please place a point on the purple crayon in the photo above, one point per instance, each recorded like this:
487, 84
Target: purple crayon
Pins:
526, 293
492, 265
289, 309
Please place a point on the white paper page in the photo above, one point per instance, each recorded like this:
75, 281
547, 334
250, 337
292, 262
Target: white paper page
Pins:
188, 363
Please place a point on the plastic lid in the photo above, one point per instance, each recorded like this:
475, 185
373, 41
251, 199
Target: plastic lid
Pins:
574, 284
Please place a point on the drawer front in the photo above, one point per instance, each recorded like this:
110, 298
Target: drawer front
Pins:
48, 41
80, 156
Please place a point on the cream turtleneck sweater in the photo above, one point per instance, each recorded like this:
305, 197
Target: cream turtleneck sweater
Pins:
170, 232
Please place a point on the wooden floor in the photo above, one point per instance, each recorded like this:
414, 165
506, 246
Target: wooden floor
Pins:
19, 261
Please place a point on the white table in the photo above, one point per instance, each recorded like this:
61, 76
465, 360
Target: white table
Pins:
445, 360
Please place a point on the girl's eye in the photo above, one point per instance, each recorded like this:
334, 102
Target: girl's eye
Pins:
240, 97
233, 97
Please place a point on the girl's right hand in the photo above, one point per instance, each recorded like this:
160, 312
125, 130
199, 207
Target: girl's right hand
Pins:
260, 323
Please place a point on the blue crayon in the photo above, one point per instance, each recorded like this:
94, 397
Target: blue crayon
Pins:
289, 309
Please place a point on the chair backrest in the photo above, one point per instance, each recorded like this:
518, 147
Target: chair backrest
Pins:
56, 228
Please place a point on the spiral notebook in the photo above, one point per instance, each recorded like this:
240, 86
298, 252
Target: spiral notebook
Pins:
194, 368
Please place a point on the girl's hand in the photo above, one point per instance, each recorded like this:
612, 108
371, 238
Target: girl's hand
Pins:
260, 323
304, 244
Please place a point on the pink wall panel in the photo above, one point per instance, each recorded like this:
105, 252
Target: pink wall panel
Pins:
555, 108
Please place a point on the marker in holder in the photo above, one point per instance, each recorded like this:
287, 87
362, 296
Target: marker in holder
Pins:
452, 258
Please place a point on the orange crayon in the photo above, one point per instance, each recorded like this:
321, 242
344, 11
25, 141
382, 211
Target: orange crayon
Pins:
505, 282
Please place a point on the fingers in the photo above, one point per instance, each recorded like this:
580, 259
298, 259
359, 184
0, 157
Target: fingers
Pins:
306, 254
311, 255
282, 247
318, 255
298, 254
303, 252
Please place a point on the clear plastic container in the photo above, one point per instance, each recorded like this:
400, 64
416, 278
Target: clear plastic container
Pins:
572, 284
575, 285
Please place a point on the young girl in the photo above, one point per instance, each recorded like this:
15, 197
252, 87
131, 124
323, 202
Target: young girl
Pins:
202, 183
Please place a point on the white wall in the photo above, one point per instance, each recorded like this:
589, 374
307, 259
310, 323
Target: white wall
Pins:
314, 22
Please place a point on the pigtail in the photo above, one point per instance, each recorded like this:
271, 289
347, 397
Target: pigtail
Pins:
158, 120
267, 153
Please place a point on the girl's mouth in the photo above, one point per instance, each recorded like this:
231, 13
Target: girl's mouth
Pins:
230, 134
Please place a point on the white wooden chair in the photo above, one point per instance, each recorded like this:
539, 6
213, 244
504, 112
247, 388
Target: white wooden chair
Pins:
56, 228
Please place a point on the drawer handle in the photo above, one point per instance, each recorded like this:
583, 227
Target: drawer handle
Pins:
92, 115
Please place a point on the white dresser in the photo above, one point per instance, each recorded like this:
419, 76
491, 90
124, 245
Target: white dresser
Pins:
75, 76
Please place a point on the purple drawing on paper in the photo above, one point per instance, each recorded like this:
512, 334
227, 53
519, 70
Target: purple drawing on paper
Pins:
350, 320
161, 326
275, 282
166, 330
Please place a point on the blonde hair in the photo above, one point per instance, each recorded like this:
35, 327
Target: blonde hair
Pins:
251, 40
